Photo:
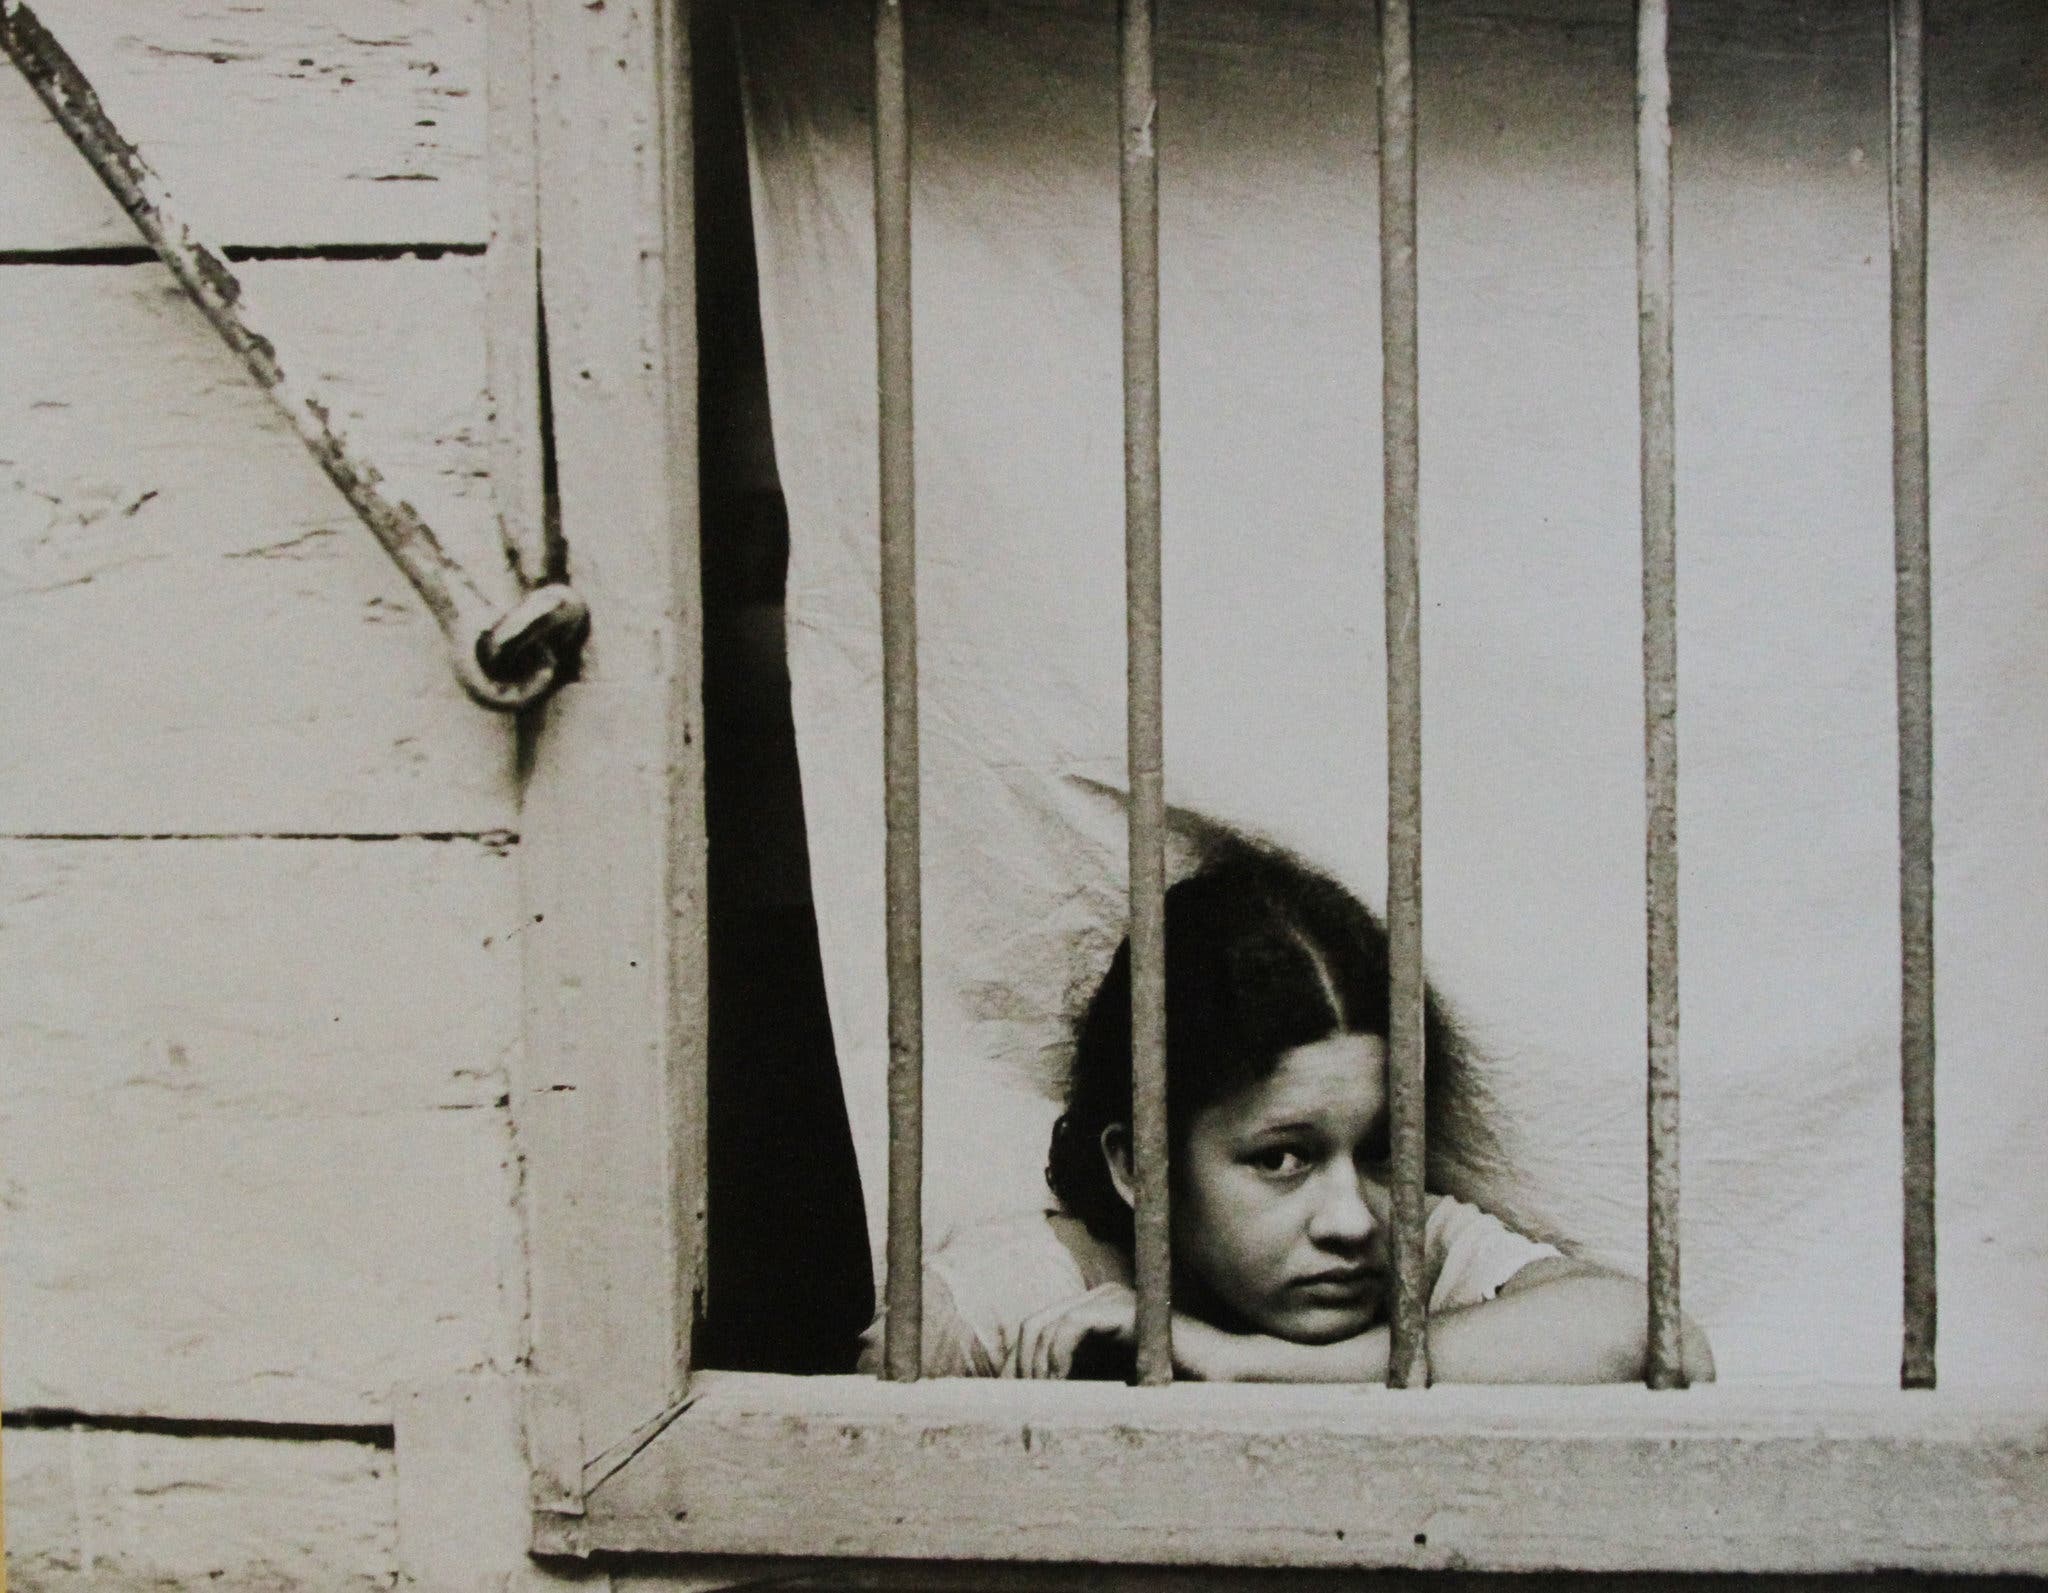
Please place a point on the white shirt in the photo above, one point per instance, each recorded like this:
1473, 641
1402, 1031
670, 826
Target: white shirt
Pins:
984, 1281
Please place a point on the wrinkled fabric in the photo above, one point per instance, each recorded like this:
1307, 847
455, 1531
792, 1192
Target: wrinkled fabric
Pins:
1531, 628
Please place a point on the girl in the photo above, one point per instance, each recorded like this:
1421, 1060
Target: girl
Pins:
1276, 1002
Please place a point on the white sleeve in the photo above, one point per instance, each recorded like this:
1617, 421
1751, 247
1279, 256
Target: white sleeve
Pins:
1473, 1253
951, 1347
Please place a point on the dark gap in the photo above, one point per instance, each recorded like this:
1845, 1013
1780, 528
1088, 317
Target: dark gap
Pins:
789, 1287
556, 556
111, 255
376, 1435
792, 1575
127, 254
353, 251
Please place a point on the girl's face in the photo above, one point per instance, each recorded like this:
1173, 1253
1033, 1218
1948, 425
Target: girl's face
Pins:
1280, 1211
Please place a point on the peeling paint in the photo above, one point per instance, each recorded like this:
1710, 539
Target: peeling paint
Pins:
288, 547
464, 613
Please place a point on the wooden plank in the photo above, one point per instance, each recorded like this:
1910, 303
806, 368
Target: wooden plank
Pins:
254, 1146
462, 1520
1613, 1479
482, 637
590, 1100
258, 978
284, 122
734, 1573
200, 637
613, 821
124, 1512
276, 1270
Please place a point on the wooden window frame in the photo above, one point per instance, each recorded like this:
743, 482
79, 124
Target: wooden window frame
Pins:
629, 1452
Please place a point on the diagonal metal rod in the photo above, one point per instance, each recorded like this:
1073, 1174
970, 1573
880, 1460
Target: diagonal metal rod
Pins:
1408, 1358
1654, 299
1911, 555
1139, 187
903, 1327
505, 659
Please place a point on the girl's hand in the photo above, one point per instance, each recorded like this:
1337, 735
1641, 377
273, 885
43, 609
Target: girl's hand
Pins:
1047, 1341
1062, 1340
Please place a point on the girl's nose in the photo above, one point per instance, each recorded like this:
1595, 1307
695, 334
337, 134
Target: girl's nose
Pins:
1345, 1216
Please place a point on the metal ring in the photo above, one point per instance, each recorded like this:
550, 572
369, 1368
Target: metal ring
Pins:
520, 657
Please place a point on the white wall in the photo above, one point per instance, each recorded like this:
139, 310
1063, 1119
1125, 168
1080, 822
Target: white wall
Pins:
255, 1151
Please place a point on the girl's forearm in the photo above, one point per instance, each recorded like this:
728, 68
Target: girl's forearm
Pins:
1588, 1328
1585, 1327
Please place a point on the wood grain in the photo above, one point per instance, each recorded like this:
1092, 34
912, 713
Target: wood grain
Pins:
198, 635
1756, 1479
462, 1494
613, 848
741, 1574
286, 122
118, 1512
254, 1145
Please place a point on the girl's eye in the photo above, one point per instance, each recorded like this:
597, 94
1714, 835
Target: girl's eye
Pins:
1278, 1160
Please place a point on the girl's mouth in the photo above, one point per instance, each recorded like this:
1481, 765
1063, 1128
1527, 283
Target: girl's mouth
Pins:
1340, 1284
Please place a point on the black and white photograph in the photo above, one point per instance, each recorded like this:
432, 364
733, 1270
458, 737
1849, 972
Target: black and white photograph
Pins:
904, 795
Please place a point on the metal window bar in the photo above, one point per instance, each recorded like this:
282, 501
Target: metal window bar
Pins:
1139, 201
903, 1328
1915, 678
1139, 193
1408, 1356
1664, 1366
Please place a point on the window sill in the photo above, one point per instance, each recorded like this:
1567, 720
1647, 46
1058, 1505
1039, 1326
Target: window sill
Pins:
1717, 1478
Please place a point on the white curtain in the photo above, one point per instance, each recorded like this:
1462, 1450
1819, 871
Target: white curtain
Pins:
1532, 688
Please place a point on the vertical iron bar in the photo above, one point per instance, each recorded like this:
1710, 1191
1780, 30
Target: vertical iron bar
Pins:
1139, 187
904, 1328
1654, 292
1408, 1361
1911, 556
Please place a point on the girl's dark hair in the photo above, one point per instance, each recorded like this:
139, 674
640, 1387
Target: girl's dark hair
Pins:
1263, 954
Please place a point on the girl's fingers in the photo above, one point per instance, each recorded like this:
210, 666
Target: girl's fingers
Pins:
1107, 1317
1048, 1339
1089, 1315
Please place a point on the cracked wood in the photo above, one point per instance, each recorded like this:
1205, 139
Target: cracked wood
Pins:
282, 123
160, 529
116, 1512
261, 1167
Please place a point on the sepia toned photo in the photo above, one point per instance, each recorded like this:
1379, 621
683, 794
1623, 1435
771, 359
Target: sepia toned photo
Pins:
1023, 793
